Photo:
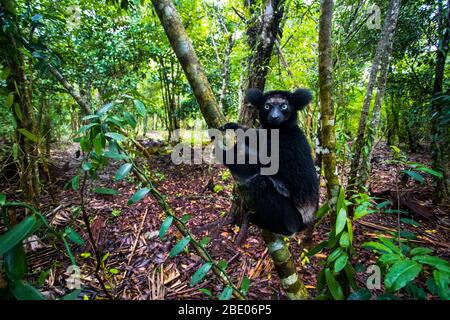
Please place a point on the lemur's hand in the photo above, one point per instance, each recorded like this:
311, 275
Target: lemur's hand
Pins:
230, 125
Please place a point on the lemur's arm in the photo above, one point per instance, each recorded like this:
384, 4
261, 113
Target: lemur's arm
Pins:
233, 126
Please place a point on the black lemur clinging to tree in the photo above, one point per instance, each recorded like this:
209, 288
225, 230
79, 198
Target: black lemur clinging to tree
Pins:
284, 202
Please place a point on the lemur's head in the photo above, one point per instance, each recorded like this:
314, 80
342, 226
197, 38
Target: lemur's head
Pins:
278, 109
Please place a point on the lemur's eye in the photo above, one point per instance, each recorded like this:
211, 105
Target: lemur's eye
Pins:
267, 106
284, 106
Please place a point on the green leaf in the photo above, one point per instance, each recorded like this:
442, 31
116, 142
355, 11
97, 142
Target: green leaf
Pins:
130, 119
222, 265
24, 291
410, 222
179, 246
344, 241
433, 261
341, 220
105, 108
317, 248
17, 233
138, 195
115, 136
99, 143
205, 291
333, 285
90, 117
185, 218
422, 168
204, 241
201, 273
86, 166
75, 182
28, 134
140, 107
390, 258
106, 191
361, 294
2, 199
113, 271
335, 254
15, 262
245, 285
341, 262
341, 200
114, 155
10, 100
323, 210
350, 231
416, 176
360, 212
377, 246
36, 17
165, 226
123, 171
420, 251
72, 296
441, 279
74, 236
226, 293
18, 112
401, 273
87, 127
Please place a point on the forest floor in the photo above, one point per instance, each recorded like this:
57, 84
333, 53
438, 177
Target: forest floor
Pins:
137, 260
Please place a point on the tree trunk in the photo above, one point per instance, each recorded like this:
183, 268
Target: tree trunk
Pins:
386, 33
187, 57
328, 138
19, 85
439, 140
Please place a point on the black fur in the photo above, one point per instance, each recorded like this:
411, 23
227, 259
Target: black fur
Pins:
279, 199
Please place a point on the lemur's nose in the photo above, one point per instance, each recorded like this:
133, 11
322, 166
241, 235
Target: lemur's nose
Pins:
274, 117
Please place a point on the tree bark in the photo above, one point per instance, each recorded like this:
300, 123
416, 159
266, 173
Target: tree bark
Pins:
187, 57
383, 43
327, 118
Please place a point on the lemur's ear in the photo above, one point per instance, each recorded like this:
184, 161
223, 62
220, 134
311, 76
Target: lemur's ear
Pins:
255, 97
300, 98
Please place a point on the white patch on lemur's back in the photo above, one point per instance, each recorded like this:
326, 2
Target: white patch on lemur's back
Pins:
308, 213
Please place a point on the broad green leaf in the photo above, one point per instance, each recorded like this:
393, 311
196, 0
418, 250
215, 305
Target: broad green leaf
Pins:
123, 171
360, 212
377, 246
74, 236
140, 107
115, 136
24, 291
388, 243
179, 246
335, 254
245, 285
201, 273
422, 168
2, 199
350, 230
420, 251
317, 248
401, 273
226, 293
165, 226
361, 294
72, 296
105, 108
341, 220
138, 195
18, 233
86, 166
390, 258
204, 241
99, 143
333, 285
433, 261
416, 176
185, 218
18, 112
341, 200
344, 241
87, 127
113, 271
441, 279
75, 182
106, 191
340, 262
222, 265
10, 100
28, 134
90, 117
15, 262
130, 119
323, 210
410, 222
115, 156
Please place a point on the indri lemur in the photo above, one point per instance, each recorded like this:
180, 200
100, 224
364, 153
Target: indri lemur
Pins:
285, 202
